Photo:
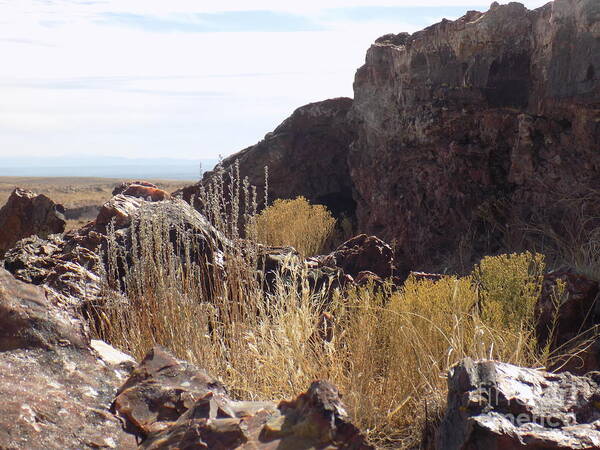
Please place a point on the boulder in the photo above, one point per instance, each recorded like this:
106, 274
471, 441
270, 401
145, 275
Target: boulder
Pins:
56, 389
568, 319
122, 187
494, 405
360, 254
26, 214
171, 404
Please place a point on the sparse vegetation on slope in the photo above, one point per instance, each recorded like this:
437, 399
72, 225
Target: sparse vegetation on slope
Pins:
387, 349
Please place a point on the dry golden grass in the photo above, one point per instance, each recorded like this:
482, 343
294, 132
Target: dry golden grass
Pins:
387, 350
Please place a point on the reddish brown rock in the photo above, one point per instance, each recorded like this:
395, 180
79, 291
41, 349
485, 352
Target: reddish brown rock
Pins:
493, 108
119, 189
26, 214
306, 155
55, 389
362, 253
160, 390
172, 404
566, 318
147, 193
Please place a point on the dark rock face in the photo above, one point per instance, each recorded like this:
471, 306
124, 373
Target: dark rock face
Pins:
490, 117
306, 155
362, 254
494, 106
568, 320
55, 388
26, 214
494, 405
172, 404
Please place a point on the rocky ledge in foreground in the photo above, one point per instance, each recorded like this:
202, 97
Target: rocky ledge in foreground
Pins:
494, 405
57, 387
70, 268
169, 403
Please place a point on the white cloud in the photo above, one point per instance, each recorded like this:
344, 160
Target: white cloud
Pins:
161, 7
70, 84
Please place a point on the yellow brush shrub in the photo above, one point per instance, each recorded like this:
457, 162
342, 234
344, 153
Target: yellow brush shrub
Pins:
294, 223
509, 286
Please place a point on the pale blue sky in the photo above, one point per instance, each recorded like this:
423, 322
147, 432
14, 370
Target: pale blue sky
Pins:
181, 78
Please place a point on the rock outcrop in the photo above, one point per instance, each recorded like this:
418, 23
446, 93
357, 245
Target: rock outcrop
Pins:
306, 155
568, 318
60, 390
171, 404
56, 389
26, 214
501, 106
70, 267
494, 405
489, 119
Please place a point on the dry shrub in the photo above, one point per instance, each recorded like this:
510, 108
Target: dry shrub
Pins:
509, 287
294, 223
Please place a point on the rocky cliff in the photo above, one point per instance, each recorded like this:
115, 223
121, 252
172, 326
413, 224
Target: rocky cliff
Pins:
494, 114
496, 106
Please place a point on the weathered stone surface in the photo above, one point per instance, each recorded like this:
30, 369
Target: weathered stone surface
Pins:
306, 155
63, 265
55, 389
501, 106
567, 319
118, 210
494, 405
171, 404
362, 253
26, 214
160, 390
70, 267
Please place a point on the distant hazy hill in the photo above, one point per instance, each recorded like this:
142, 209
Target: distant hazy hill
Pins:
106, 167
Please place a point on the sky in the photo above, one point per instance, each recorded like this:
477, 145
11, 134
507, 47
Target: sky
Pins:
184, 79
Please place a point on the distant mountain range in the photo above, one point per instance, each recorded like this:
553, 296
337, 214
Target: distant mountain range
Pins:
105, 167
